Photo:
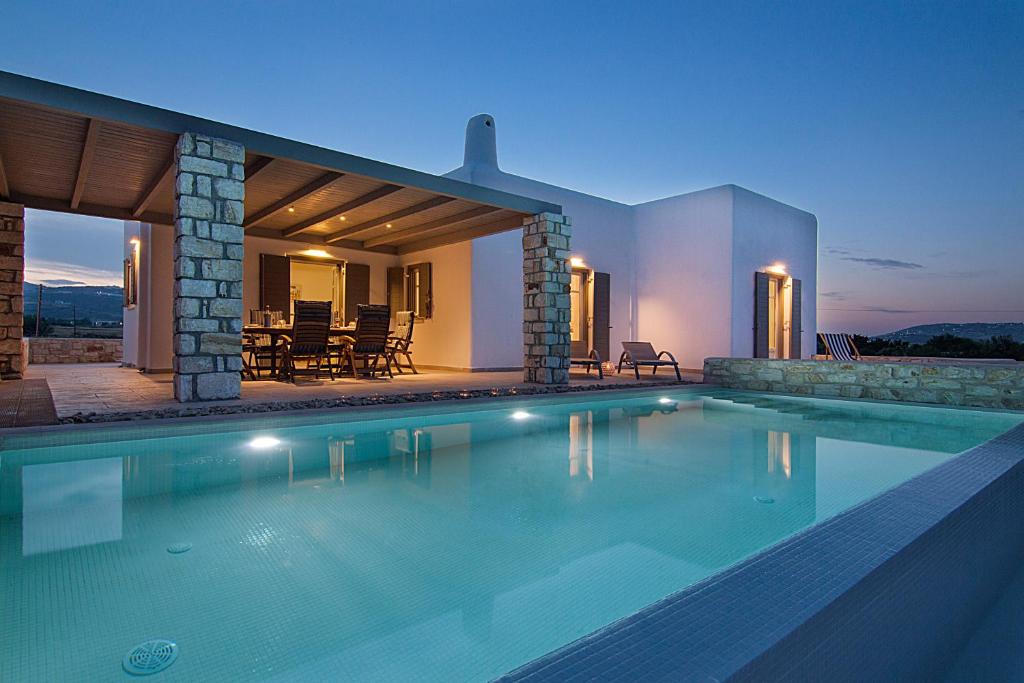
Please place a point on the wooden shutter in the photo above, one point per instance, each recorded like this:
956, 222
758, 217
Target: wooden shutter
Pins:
396, 289
761, 315
602, 314
357, 288
795, 320
275, 283
423, 305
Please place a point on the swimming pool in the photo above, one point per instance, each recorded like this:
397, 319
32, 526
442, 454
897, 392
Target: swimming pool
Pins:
416, 544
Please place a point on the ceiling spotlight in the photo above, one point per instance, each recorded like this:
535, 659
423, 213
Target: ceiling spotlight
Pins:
341, 218
291, 209
388, 225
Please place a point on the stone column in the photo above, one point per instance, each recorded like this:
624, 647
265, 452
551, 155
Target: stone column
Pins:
546, 298
209, 191
12, 278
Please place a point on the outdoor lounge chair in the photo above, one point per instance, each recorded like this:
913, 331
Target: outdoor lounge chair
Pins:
592, 361
641, 354
839, 346
369, 342
401, 340
311, 329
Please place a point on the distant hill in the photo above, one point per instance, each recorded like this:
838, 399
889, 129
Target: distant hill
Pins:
920, 334
99, 304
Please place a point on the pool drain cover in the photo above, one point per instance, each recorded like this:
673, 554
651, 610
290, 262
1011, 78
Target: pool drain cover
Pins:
179, 548
150, 657
764, 499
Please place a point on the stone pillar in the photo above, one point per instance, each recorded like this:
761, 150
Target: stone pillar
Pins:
209, 191
546, 298
12, 278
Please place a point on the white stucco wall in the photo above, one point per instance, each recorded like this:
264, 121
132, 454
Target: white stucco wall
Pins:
684, 282
148, 335
602, 237
765, 232
446, 338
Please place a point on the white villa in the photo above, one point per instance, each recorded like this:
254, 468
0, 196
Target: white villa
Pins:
221, 222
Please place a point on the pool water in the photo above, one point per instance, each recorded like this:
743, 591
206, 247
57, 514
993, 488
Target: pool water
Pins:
417, 545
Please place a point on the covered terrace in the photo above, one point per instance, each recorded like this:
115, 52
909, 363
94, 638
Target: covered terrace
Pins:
217, 186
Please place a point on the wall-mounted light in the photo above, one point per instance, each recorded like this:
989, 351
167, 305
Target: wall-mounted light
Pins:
777, 268
576, 262
315, 253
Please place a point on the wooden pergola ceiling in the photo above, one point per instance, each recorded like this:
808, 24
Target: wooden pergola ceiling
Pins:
70, 150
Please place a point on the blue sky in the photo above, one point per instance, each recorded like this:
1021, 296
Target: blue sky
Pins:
900, 125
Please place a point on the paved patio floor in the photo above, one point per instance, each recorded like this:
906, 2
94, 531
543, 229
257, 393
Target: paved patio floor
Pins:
109, 388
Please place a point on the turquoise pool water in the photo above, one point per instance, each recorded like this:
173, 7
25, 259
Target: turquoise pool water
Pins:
420, 546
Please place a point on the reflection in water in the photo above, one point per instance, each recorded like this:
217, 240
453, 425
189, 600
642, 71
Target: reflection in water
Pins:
779, 453
581, 444
68, 505
446, 547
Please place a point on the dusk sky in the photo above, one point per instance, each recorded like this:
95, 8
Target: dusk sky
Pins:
899, 125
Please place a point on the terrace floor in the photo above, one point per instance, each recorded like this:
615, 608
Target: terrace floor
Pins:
108, 388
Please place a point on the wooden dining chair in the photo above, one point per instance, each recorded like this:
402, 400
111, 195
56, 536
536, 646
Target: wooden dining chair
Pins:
311, 329
369, 342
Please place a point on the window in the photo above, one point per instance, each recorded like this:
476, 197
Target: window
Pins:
410, 289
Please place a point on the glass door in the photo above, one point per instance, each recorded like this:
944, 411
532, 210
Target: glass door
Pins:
579, 307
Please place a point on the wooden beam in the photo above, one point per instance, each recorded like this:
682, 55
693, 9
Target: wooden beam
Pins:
309, 188
92, 134
313, 240
150, 192
394, 216
116, 212
423, 229
372, 196
260, 164
502, 225
5, 187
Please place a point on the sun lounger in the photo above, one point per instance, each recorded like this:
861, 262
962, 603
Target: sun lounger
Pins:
641, 354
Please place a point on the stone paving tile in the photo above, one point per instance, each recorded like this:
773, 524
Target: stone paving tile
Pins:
109, 388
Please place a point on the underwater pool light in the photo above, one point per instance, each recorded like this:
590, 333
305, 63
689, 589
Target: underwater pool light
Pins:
664, 400
520, 415
263, 442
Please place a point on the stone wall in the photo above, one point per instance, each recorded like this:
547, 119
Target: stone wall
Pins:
546, 298
209, 194
969, 384
58, 350
12, 276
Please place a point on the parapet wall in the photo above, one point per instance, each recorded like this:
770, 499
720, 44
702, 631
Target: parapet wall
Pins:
62, 350
981, 385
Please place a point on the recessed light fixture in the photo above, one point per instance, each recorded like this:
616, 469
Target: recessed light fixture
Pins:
520, 415
291, 209
264, 442
341, 218
388, 225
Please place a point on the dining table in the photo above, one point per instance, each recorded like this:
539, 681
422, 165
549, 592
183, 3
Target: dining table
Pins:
275, 332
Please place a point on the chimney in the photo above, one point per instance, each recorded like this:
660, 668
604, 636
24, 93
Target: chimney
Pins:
481, 143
